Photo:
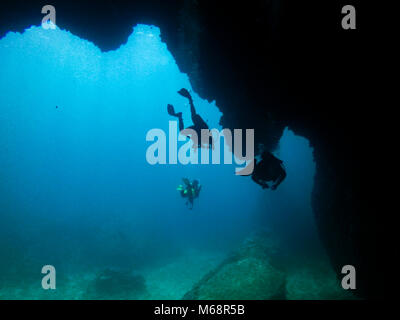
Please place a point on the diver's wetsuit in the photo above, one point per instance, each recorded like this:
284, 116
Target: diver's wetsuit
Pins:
191, 190
269, 168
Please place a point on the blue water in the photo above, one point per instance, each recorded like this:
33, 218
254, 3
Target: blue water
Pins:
76, 191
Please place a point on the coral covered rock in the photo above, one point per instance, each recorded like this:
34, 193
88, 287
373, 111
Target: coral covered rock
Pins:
248, 274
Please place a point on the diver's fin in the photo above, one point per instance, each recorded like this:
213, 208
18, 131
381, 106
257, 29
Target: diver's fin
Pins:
183, 92
171, 111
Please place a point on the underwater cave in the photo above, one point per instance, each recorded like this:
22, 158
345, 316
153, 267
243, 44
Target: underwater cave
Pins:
76, 104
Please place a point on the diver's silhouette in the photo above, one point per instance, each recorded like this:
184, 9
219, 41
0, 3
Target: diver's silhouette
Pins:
269, 168
189, 190
198, 122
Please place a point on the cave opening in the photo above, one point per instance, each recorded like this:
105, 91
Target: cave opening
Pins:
77, 187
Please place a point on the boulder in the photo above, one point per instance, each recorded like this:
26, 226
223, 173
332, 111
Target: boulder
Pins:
247, 274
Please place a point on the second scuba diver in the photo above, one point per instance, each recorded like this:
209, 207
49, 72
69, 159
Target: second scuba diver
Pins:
190, 190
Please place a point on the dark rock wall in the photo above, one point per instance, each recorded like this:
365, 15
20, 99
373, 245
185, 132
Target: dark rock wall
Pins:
268, 64
272, 64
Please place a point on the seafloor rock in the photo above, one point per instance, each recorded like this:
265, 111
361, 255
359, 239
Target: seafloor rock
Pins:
247, 274
116, 284
261, 269
316, 281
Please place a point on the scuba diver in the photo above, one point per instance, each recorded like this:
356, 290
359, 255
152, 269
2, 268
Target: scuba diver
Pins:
269, 168
189, 190
198, 122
